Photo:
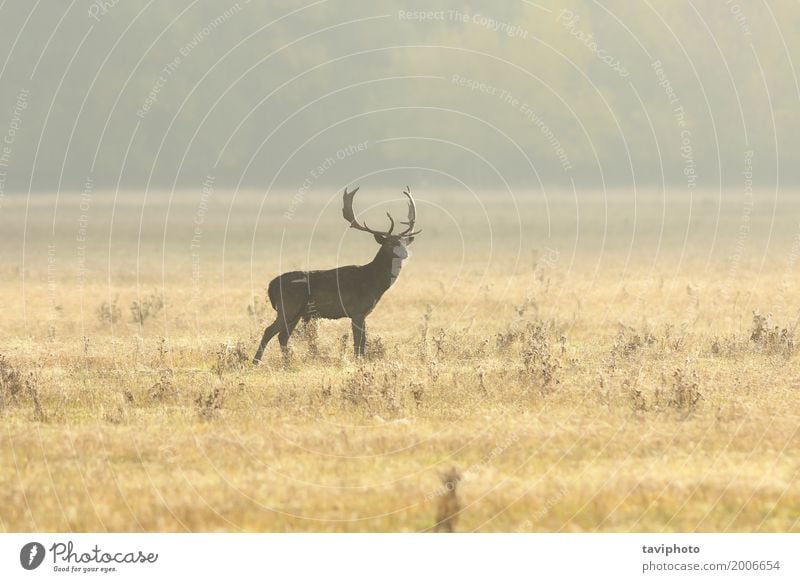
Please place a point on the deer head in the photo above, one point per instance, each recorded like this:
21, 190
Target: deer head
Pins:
388, 239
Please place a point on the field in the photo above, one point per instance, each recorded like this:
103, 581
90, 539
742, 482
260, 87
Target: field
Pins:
585, 362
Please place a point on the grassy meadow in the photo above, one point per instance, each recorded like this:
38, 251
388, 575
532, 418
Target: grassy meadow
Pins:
586, 362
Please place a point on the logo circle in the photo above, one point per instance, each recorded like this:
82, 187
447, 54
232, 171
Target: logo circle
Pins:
31, 555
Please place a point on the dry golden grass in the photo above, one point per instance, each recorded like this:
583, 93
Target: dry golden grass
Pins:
603, 393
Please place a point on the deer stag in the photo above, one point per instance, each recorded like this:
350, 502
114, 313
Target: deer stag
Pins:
351, 291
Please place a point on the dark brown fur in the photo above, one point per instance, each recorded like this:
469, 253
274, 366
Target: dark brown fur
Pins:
351, 291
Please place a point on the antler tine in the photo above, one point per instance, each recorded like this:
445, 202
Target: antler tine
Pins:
347, 207
412, 214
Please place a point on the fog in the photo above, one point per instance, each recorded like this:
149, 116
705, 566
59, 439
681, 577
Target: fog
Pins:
122, 95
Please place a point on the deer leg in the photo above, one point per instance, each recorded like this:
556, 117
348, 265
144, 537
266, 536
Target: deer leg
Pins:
285, 333
359, 336
269, 333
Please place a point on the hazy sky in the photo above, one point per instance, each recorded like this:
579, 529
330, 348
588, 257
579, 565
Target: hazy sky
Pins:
110, 94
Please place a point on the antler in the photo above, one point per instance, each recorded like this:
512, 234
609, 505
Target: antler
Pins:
350, 216
412, 215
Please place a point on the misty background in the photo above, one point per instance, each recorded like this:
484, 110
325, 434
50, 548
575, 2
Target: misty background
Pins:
123, 95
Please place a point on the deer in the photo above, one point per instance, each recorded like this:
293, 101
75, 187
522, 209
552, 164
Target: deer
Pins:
344, 292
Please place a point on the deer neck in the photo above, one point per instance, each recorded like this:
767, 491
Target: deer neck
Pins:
386, 267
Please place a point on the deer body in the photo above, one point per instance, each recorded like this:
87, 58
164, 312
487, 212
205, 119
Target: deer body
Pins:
352, 291
358, 288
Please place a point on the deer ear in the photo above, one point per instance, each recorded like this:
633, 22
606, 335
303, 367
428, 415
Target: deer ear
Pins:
379, 239
409, 240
